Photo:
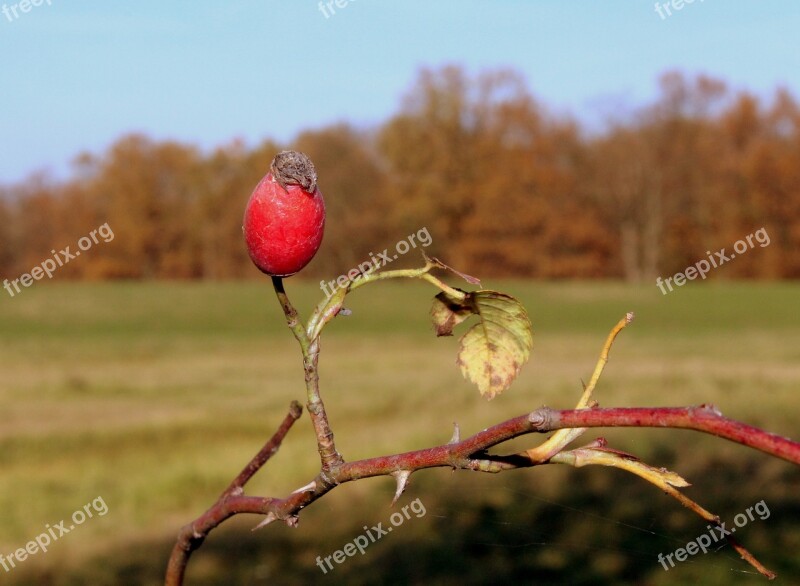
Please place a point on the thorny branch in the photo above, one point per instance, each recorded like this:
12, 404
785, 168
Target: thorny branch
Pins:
231, 502
309, 346
471, 453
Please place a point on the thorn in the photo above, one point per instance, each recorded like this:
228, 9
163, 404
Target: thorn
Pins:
310, 487
712, 408
456, 434
599, 442
292, 520
583, 384
401, 476
267, 520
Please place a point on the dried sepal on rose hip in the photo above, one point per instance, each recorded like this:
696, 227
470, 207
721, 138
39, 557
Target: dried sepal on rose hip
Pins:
285, 217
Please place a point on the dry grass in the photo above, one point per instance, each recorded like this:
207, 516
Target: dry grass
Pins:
154, 395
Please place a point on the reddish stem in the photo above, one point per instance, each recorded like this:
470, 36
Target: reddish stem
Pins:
705, 418
230, 502
471, 454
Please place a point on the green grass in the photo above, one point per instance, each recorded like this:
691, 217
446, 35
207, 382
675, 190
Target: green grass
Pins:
154, 395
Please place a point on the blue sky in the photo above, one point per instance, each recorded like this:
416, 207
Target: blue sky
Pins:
76, 75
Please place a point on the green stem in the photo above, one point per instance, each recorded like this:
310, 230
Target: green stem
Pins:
420, 273
329, 457
460, 295
327, 309
292, 317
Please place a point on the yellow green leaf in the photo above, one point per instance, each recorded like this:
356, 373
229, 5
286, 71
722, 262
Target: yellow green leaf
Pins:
492, 351
447, 312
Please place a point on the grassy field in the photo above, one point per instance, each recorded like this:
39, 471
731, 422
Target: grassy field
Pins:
153, 396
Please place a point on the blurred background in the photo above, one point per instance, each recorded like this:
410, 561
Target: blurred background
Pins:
569, 154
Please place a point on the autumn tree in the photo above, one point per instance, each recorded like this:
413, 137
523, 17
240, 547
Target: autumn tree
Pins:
473, 158
483, 158
358, 205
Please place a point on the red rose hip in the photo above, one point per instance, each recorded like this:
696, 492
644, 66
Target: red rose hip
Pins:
285, 216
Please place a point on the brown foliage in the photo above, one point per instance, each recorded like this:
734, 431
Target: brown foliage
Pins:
504, 187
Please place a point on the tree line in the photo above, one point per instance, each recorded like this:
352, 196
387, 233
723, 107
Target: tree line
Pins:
504, 186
